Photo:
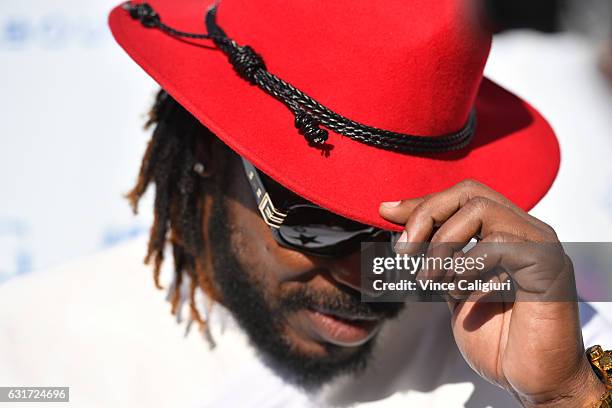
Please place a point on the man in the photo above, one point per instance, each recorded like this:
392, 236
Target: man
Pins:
284, 262
302, 312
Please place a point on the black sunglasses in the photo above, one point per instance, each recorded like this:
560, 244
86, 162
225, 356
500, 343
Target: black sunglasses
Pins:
306, 227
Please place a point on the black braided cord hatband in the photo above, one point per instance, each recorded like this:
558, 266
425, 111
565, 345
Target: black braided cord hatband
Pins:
310, 115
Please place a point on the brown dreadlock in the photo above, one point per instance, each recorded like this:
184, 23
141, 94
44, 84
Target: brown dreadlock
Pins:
171, 163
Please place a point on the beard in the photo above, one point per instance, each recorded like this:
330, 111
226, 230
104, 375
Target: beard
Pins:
264, 320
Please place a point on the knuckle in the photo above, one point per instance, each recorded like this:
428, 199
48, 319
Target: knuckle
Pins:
419, 212
498, 237
421, 209
469, 184
521, 233
478, 203
440, 237
549, 231
427, 197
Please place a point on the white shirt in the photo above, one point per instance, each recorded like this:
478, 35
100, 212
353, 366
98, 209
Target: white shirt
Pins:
100, 327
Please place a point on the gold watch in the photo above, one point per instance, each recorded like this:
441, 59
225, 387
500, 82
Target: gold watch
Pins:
601, 361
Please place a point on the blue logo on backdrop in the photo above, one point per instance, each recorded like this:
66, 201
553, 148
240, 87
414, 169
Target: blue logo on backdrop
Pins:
53, 31
16, 31
114, 235
15, 254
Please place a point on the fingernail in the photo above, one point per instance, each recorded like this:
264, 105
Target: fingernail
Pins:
391, 204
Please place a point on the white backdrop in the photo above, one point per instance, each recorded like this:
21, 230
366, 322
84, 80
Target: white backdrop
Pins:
72, 106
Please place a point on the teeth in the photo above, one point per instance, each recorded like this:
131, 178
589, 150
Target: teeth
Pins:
350, 318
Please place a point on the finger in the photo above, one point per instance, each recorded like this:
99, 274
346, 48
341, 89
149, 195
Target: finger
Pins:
480, 264
478, 218
437, 262
483, 267
467, 223
399, 211
539, 270
460, 222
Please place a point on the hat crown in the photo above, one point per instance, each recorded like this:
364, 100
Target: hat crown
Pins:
421, 59
411, 66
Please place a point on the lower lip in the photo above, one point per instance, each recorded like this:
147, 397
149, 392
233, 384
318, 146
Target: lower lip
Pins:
342, 332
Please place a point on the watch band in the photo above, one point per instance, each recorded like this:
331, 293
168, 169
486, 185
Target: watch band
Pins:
601, 362
605, 401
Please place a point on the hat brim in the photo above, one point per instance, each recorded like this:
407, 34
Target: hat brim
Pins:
514, 150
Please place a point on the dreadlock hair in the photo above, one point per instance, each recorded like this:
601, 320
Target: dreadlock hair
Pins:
171, 163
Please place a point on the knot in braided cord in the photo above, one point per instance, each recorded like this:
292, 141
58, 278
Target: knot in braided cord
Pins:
145, 13
245, 61
312, 119
309, 127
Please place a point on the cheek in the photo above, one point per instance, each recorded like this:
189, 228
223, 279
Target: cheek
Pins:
259, 254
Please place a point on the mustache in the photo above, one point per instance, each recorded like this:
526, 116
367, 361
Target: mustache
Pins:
340, 303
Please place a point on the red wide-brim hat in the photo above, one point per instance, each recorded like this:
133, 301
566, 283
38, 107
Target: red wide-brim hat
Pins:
407, 66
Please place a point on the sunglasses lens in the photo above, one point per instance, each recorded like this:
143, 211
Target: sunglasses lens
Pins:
318, 231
